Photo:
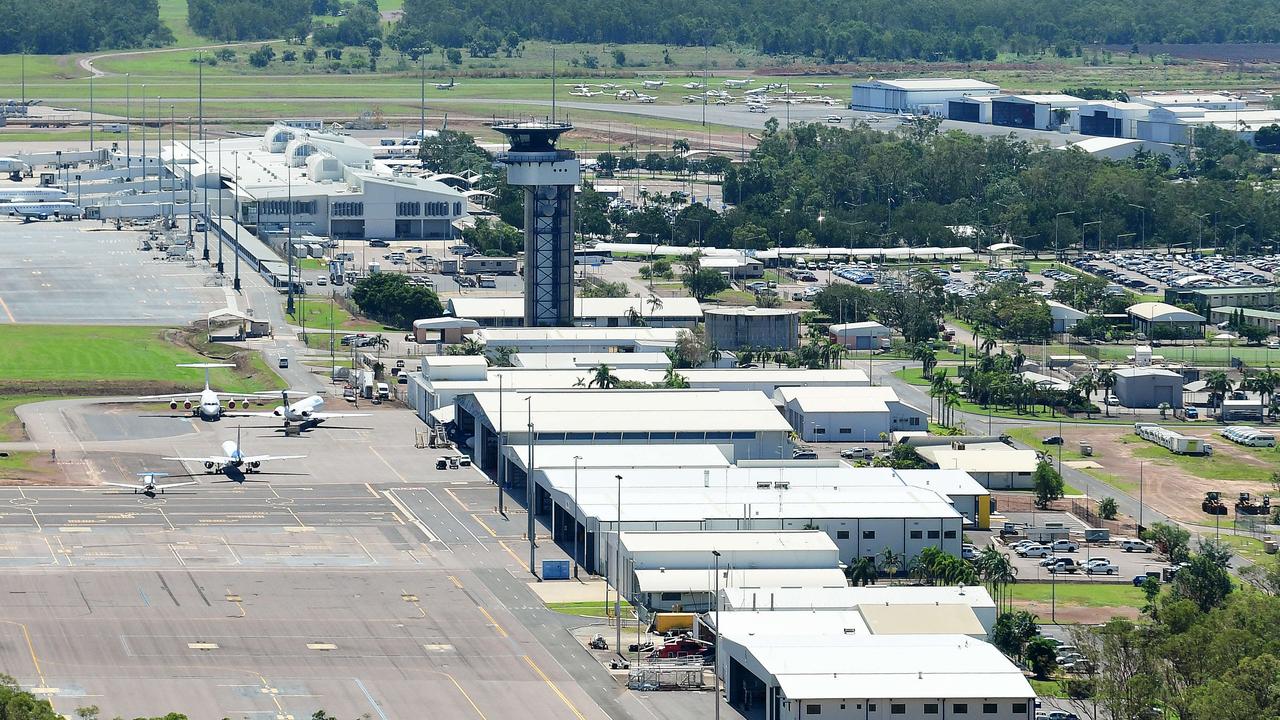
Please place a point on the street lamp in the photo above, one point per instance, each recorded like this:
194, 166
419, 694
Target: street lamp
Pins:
716, 662
1143, 223
502, 443
1083, 230
617, 572
1057, 246
576, 458
528, 492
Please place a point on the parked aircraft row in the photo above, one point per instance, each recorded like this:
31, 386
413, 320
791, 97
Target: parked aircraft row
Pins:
207, 404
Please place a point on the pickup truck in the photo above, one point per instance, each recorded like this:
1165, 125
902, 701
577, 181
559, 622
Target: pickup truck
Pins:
1064, 565
1100, 566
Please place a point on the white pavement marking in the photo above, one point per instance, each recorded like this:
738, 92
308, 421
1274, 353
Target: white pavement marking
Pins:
410, 516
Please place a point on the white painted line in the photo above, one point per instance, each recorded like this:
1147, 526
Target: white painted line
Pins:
409, 514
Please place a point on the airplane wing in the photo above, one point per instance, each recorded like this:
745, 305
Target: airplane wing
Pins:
131, 486
330, 416
174, 485
264, 458
217, 460
249, 414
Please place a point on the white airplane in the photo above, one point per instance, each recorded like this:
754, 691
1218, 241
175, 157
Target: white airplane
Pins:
737, 83
654, 84
149, 486
609, 86
692, 86
757, 108
303, 411
205, 404
445, 86
233, 459
820, 86
40, 210
625, 94
31, 195
584, 92
756, 91
692, 98
645, 98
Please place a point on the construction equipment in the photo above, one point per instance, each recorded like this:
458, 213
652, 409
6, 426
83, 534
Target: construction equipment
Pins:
1213, 504
1245, 505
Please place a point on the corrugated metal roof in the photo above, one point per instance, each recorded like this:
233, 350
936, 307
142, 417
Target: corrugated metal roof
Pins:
640, 410
921, 619
704, 580
851, 597
727, 541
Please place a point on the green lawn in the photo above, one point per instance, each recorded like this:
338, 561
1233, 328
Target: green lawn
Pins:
913, 376
1245, 546
1218, 466
319, 314
592, 608
19, 461
43, 356
1048, 688
10, 428
1087, 594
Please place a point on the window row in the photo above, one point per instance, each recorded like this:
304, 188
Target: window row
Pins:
645, 436
431, 209
1017, 708
915, 534
281, 207
348, 209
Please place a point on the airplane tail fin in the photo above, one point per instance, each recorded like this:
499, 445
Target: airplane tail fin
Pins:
206, 367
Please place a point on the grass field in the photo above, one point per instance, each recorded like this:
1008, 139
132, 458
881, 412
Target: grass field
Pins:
1093, 594
319, 314
81, 356
1219, 466
10, 427
595, 609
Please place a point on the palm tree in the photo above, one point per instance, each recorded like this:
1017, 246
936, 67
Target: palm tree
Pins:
951, 400
381, 342
890, 562
674, 379
654, 302
1264, 383
635, 318
604, 378
1087, 385
995, 569
1106, 380
861, 572
937, 387
1218, 385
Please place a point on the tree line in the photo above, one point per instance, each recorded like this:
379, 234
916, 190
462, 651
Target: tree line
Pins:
54, 28
883, 29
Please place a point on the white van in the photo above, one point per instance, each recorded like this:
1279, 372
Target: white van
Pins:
384, 391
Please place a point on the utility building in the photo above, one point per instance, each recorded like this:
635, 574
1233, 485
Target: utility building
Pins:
548, 176
915, 94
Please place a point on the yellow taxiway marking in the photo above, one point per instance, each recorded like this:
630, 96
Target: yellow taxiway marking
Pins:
513, 554
492, 622
484, 525
31, 648
456, 582
389, 466
468, 697
556, 690
7, 314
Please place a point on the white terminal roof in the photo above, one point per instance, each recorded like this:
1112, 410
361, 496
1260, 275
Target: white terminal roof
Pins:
846, 598
727, 541
548, 457
728, 262
1133, 372
641, 410
675, 250
1162, 312
769, 473
750, 310
921, 620
981, 461
455, 361
897, 253
1062, 310
570, 360
928, 84
536, 378
513, 307
649, 335
686, 580
1049, 99
839, 399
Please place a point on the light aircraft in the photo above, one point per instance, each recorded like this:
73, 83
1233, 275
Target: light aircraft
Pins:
756, 91
40, 210
737, 83
625, 94
645, 98
233, 459
302, 412
584, 92
692, 98
757, 107
820, 86
205, 404
692, 86
446, 86
609, 86
149, 486
654, 84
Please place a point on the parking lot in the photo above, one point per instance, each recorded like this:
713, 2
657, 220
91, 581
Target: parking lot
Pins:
1127, 565
1151, 272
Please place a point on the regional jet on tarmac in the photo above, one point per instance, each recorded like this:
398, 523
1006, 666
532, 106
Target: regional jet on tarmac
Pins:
305, 411
205, 404
233, 459
148, 486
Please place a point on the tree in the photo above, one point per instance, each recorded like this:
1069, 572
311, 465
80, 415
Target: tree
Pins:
1203, 581
890, 562
1172, 540
606, 163
1042, 657
1047, 484
494, 237
358, 26
390, 298
692, 349
603, 378
261, 57
1218, 385
451, 151
704, 283
1012, 631
861, 572
1107, 380
309, 55
1108, 508
454, 56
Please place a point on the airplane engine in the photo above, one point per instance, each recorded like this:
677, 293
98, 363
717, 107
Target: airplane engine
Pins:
231, 404
208, 466
173, 404
306, 413
186, 405
278, 412
255, 465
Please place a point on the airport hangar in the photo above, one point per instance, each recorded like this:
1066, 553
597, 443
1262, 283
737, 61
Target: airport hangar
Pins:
322, 183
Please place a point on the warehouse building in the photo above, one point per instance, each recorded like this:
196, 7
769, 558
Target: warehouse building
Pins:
915, 94
735, 267
994, 465
1040, 112
586, 361
1064, 317
1266, 319
497, 312
1110, 118
868, 335
747, 421
1205, 299
734, 328
578, 339
1160, 321
1148, 387
825, 599
847, 414
828, 665
1205, 101
674, 570
974, 109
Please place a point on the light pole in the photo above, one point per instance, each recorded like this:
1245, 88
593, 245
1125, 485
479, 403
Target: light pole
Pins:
189, 158
715, 667
528, 493
288, 168
1200, 236
128, 124
1142, 223
576, 458
144, 139
1057, 246
78, 199
204, 154
91, 112
173, 171
1141, 464
422, 96
235, 283
617, 573
501, 444
1084, 229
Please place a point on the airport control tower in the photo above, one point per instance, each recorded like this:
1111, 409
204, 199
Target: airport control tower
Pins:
549, 176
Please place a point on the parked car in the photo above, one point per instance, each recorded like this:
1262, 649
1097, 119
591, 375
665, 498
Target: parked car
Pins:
968, 551
1192, 413
1131, 545
1031, 551
1100, 566
857, 453
804, 455
1066, 565
1064, 546
1052, 440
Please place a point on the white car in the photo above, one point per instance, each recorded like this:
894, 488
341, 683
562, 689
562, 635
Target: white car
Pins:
1100, 566
1064, 546
1032, 551
1135, 546
968, 551
857, 453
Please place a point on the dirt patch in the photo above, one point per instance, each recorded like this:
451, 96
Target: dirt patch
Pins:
37, 470
1075, 614
1166, 487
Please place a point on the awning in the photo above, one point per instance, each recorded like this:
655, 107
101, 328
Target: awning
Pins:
444, 415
